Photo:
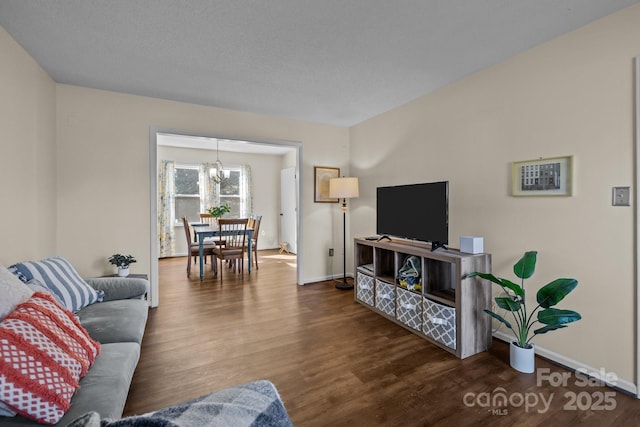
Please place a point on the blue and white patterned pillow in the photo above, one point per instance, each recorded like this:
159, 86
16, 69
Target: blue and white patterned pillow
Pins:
57, 274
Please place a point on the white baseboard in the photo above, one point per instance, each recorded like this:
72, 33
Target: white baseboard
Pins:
574, 365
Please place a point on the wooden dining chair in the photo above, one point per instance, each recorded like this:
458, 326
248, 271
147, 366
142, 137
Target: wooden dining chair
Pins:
254, 222
234, 232
207, 218
193, 248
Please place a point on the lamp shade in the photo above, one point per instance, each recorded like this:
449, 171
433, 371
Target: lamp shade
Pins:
344, 188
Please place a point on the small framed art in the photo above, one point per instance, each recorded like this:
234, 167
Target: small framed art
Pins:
543, 177
322, 175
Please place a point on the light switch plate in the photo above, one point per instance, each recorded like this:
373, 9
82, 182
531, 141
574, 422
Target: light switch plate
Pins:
621, 196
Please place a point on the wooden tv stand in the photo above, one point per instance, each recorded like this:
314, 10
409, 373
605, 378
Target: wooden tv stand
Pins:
445, 307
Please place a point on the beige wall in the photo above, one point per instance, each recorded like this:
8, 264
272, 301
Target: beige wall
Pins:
27, 156
571, 96
103, 170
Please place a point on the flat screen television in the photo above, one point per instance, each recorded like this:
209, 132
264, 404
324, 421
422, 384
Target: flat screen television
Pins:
415, 211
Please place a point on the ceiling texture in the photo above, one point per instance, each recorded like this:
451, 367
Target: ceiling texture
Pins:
336, 62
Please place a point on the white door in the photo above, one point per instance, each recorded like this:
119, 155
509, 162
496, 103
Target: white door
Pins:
288, 217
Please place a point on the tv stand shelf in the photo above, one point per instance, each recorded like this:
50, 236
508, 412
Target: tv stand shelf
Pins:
442, 306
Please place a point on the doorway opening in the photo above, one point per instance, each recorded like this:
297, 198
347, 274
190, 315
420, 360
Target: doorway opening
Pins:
232, 152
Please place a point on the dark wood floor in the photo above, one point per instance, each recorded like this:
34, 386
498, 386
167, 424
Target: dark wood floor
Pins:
337, 363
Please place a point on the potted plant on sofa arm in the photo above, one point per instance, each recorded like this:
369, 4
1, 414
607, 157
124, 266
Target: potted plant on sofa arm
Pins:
524, 327
122, 262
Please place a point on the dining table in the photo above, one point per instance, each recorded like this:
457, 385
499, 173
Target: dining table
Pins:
203, 230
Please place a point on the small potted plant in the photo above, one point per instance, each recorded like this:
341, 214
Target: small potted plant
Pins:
122, 262
218, 211
524, 327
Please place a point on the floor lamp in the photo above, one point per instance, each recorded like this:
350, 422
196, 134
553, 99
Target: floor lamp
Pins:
344, 188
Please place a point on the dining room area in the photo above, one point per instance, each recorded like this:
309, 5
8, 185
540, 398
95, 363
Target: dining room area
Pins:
224, 240
220, 204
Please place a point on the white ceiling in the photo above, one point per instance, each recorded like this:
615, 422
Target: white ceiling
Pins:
337, 62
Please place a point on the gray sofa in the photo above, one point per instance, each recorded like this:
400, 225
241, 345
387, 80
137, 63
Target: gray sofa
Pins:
118, 324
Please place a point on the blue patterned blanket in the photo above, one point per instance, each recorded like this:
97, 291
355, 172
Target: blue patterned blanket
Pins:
253, 404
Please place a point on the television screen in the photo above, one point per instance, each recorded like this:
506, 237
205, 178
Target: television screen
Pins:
416, 211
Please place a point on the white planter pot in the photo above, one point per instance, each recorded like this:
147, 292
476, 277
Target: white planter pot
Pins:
123, 272
522, 359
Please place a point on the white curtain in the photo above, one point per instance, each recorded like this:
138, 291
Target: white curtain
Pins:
246, 190
208, 188
166, 208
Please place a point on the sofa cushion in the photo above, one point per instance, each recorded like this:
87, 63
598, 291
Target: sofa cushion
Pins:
13, 292
104, 389
115, 321
61, 278
106, 386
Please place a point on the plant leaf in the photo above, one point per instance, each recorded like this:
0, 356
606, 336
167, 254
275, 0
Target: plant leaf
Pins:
507, 303
486, 276
552, 293
498, 317
526, 266
500, 281
548, 328
555, 316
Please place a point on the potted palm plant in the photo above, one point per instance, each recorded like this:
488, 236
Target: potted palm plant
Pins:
122, 262
542, 319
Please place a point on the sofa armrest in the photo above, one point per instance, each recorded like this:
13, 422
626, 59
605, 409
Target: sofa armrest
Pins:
116, 288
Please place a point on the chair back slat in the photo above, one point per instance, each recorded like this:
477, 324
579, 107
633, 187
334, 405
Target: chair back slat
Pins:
233, 231
207, 218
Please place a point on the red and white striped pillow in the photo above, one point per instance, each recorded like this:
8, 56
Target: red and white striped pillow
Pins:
62, 325
43, 353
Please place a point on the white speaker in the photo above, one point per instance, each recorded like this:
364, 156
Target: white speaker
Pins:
471, 244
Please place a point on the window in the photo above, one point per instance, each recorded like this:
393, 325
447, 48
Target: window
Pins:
233, 190
187, 181
230, 192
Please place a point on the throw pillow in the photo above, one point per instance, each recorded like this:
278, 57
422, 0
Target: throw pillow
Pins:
63, 327
24, 327
61, 278
13, 292
37, 377
37, 286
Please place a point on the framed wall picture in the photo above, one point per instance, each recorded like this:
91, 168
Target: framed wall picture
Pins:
322, 175
543, 177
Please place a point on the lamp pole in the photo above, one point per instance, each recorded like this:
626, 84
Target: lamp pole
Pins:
344, 285
344, 188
